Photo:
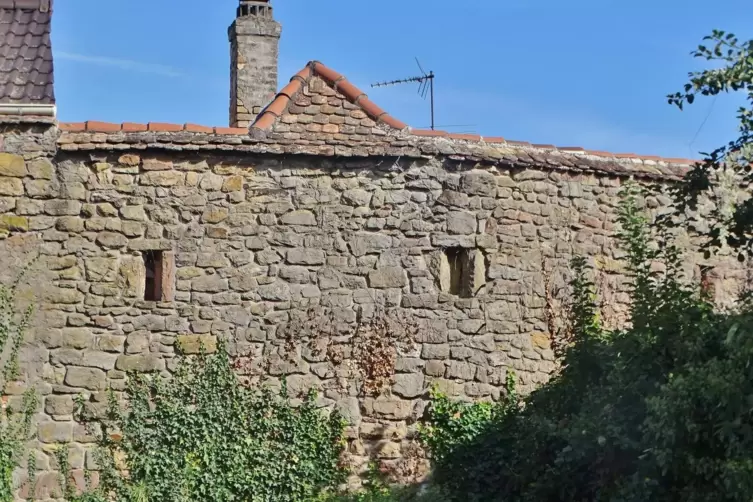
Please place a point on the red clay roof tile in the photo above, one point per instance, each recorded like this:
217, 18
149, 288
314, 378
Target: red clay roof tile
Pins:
326, 73
429, 133
231, 130
198, 128
132, 127
95, 126
392, 122
163, 127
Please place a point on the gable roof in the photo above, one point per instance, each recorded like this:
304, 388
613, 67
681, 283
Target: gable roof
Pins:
26, 69
335, 93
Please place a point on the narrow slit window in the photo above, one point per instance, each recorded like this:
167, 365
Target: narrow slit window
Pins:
153, 282
456, 259
707, 280
464, 271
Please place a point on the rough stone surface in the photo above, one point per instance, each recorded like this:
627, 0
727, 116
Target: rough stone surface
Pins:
257, 241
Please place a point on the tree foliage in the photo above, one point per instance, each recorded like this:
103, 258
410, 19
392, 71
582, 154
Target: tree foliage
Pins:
661, 411
729, 225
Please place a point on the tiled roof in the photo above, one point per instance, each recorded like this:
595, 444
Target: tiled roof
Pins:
26, 75
320, 113
100, 136
343, 90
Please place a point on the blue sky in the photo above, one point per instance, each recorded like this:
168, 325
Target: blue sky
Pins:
591, 73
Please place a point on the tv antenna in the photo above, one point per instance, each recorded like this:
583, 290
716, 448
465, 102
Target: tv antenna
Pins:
425, 85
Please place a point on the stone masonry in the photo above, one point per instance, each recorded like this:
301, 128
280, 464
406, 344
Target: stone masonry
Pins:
314, 214
254, 47
252, 241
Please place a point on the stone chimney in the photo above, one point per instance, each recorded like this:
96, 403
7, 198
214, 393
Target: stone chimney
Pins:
254, 48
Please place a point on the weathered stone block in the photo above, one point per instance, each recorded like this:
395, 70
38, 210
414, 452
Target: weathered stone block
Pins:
479, 183
141, 363
136, 213
131, 277
13, 222
214, 214
72, 224
101, 269
388, 277
41, 169
77, 338
111, 240
461, 222
357, 197
363, 243
232, 184
408, 385
301, 217
209, 284
55, 432
58, 405
11, 186
304, 256
192, 344
87, 378
111, 343
62, 207
277, 291
12, 165
394, 409
461, 370
162, 178
97, 359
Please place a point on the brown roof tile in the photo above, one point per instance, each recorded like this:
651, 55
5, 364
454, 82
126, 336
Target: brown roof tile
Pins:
26, 69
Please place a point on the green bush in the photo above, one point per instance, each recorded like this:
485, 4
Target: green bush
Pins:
15, 423
450, 424
203, 436
660, 411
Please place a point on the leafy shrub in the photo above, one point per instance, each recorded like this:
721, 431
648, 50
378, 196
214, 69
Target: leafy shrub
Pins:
15, 424
203, 436
660, 411
449, 424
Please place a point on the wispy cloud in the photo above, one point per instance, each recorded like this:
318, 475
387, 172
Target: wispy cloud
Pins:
123, 64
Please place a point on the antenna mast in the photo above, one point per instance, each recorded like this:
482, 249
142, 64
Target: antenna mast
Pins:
425, 81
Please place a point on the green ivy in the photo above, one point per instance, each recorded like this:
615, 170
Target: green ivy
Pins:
15, 421
202, 435
450, 423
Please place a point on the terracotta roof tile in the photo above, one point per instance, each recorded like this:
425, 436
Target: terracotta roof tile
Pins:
428, 132
195, 128
95, 126
161, 126
26, 75
131, 127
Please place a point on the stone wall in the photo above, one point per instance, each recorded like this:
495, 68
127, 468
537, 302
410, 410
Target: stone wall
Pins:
254, 243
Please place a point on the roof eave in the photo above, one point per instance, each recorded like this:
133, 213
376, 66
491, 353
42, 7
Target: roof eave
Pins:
28, 110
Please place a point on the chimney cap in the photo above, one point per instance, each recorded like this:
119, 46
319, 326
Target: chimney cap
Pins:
258, 8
